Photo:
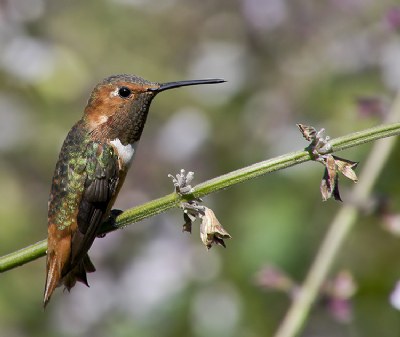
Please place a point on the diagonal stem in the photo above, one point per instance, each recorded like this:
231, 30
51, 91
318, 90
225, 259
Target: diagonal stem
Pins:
169, 201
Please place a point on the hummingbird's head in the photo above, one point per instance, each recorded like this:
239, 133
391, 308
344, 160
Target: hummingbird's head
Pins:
124, 100
116, 95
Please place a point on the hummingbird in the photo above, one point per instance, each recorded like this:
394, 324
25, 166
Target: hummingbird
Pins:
91, 169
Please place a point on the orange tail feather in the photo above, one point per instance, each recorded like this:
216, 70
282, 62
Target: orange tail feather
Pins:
52, 278
55, 277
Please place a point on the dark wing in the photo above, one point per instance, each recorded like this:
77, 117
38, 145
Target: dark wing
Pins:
99, 190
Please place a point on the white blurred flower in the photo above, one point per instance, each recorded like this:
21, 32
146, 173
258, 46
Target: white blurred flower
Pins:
14, 123
154, 276
216, 311
390, 63
24, 11
222, 60
27, 58
149, 6
395, 296
265, 14
184, 133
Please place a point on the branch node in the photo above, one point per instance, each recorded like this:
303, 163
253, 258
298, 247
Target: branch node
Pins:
319, 142
320, 150
211, 231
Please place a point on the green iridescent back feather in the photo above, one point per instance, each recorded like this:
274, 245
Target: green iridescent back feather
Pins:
84, 182
68, 179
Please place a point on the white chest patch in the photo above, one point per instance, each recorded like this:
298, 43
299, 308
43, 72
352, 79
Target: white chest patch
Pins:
125, 152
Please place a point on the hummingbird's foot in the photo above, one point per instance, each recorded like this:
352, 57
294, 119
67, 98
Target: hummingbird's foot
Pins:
182, 182
111, 221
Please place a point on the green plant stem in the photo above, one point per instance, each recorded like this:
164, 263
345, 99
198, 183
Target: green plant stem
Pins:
157, 206
341, 225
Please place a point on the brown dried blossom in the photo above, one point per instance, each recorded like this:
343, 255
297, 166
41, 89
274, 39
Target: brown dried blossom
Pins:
319, 148
211, 231
330, 181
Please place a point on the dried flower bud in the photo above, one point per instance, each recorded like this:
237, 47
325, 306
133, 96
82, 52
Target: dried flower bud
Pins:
319, 142
346, 167
308, 132
329, 184
182, 182
187, 226
211, 231
330, 181
319, 149
324, 188
336, 194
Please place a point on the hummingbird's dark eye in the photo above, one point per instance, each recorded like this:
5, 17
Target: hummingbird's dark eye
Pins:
124, 92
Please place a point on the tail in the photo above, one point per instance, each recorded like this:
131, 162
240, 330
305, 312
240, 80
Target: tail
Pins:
78, 273
54, 277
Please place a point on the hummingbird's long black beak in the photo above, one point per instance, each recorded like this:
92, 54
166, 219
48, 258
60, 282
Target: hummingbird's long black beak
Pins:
172, 85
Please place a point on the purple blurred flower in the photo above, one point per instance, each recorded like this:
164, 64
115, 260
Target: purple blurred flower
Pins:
339, 292
340, 309
393, 18
273, 278
371, 106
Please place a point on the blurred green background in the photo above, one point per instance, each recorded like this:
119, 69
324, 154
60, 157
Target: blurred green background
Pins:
332, 64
